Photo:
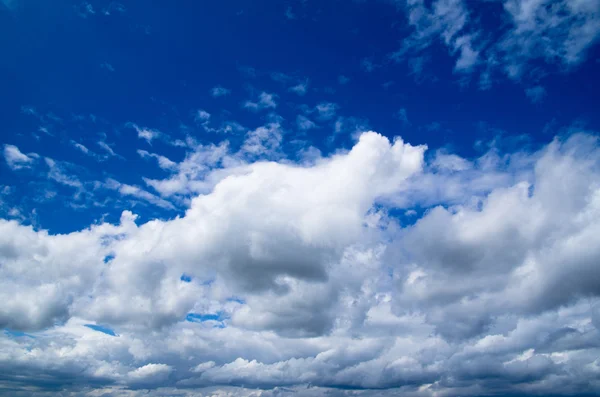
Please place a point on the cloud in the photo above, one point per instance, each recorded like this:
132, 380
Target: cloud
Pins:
202, 116
107, 66
368, 65
138, 193
149, 374
265, 101
402, 116
17, 160
289, 14
304, 123
265, 140
540, 32
536, 94
57, 172
219, 91
326, 110
106, 148
299, 88
145, 133
555, 32
444, 20
163, 161
81, 147
319, 288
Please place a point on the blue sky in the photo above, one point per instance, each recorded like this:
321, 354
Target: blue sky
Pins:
202, 172
85, 71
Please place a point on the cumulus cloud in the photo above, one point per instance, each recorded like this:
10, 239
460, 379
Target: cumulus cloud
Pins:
16, 159
317, 287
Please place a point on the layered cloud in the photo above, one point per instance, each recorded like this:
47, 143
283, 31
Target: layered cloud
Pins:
376, 269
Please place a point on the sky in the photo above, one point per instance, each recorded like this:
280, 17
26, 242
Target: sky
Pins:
300, 198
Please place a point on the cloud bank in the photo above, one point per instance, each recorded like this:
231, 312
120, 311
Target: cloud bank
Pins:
373, 271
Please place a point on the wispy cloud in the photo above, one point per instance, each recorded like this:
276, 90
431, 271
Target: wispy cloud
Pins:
107, 66
299, 88
145, 133
219, 91
536, 94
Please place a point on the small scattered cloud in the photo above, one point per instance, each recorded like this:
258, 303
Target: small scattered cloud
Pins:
219, 91
304, 123
403, 116
106, 148
343, 79
163, 162
202, 116
127, 190
85, 9
147, 134
536, 94
264, 101
17, 160
81, 147
289, 14
248, 71
58, 173
107, 66
300, 88
368, 65
326, 110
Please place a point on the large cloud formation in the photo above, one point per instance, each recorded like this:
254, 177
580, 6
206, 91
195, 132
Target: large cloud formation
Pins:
288, 278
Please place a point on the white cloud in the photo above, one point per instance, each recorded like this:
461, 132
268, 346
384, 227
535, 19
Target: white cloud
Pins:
552, 31
138, 193
299, 88
17, 160
163, 162
533, 31
107, 148
265, 101
263, 141
326, 110
304, 123
81, 147
315, 284
202, 116
219, 91
145, 133
57, 173
153, 372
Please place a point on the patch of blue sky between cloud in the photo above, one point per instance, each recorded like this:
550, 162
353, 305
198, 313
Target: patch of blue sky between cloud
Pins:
217, 320
186, 278
17, 334
101, 328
